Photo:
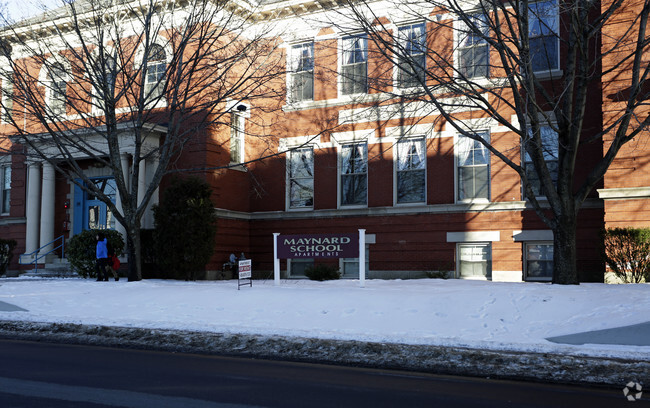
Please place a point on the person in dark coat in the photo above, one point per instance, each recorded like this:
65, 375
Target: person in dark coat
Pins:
101, 253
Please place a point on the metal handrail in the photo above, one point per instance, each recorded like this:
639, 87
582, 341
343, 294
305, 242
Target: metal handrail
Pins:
41, 256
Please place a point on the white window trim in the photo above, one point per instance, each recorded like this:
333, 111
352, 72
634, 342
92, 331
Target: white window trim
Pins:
456, 178
523, 161
7, 101
424, 139
94, 109
289, 77
3, 168
340, 55
458, 26
241, 111
339, 166
396, 69
473, 236
138, 63
526, 278
343, 261
489, 272
46, 82
290, 275
555, 72
288, 180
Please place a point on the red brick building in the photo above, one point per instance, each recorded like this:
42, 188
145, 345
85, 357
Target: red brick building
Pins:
351, 154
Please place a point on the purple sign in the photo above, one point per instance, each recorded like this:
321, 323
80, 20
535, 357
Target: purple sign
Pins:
318, 246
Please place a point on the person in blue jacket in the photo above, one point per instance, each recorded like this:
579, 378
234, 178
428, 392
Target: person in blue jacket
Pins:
101, 254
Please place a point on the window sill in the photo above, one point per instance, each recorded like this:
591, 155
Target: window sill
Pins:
409, 91
410, 204
538, 280
238, 166
300, 209
352, 206
546, 75
160, 103
341, 100
475, 201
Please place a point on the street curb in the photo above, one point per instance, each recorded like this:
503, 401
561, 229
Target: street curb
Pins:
423, 358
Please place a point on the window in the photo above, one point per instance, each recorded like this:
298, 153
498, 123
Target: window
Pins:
154, 85
302, 72
99, 215
538, 258
57, 89
105, 72
411, 171
550, 153
354, 174
7, 101
475, 261
350, 266
298, 266
301, 178
473, 48
237, 134
543, 35
354, 69
473, 168
6, 189
411, 57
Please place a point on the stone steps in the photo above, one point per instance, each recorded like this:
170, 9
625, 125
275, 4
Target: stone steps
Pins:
54, 268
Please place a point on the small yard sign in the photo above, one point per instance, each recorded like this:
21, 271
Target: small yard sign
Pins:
244, 273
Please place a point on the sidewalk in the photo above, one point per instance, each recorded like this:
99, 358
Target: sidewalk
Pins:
634, 335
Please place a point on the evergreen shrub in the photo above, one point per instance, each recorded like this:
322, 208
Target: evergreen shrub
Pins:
81, 250
7, 247
322, 272
185, 230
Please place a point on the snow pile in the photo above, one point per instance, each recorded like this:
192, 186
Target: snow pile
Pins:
472, 314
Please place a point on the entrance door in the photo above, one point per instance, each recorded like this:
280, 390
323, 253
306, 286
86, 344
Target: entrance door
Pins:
93, 213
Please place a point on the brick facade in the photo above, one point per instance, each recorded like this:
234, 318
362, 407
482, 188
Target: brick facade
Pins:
406, 240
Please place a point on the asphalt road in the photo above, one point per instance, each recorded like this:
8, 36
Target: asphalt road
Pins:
43, 375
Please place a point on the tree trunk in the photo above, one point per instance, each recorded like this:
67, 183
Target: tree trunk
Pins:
135, 270
564, 253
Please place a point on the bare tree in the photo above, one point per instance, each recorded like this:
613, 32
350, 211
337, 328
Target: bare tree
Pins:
119, 82
533, 68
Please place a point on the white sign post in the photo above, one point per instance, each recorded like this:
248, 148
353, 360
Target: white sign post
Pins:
362, 257
244, 273
276, 261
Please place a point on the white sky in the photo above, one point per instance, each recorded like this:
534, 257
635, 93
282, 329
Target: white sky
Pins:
20, 9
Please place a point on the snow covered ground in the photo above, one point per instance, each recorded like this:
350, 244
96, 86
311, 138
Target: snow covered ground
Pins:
474, 314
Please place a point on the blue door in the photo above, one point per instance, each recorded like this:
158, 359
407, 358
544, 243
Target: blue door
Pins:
91, 213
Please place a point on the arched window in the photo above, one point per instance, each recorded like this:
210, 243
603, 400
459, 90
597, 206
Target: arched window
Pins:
154, 83
56, 89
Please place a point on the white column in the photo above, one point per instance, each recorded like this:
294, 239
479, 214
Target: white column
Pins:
148, 221
47, 206
276, 261
142, 180
124, 159
362, 257
33, 211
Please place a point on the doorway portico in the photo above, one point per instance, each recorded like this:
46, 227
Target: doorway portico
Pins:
49, 200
